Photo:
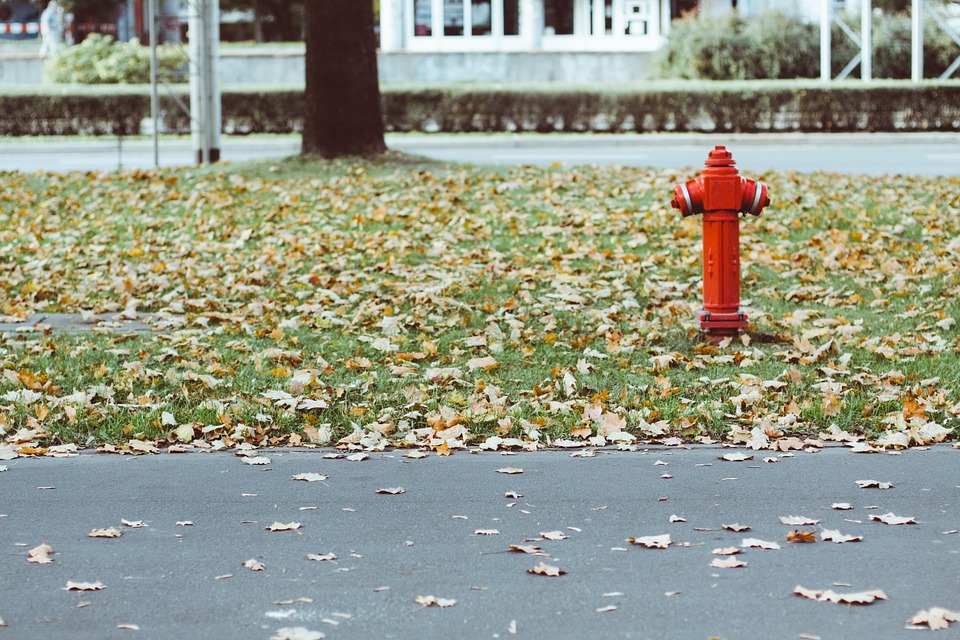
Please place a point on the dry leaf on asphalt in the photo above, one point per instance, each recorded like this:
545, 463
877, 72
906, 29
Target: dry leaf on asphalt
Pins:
279, 526
311, 477
798, 521
829, 595
433, 601
676, 518
652, 542
873, 484
935, 618
40, 554
755, 543
131, 627
134, 524
553, 535
321, 557
544, 569
510, 470
259, 460
416, 454
735, 457
728, 563
531, 549
890, 518
254, 565
486, 532
106, 532
833, 535
735, 527
727, 551
184, 523
84, 586
800, 535
841, 506
297, 633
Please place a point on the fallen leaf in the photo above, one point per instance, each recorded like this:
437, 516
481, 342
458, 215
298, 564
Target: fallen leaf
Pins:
754, 543
606, 609
873, 484
311, 477
735, 457
321, 557
296, 633
254, 565
510, 470
357, 457
486, 363
652, 542
223, 577
675, 518
737, 528
134, 524
544, 569
833, 535
108, 532
416, 454
259, 460
531, 549
935, 618
393, 491
890, 518
728, 563
799, 535
553, 535
860, 597
486, 532
131, 627
40, 554
279, 526
84, 586
798, 521
184, 523
727, 551
433, 601
841, 506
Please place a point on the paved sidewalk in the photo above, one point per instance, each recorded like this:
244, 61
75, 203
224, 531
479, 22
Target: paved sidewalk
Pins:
447, 535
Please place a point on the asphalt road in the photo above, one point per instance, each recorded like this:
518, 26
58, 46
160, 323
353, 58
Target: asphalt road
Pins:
176, 580
865, 154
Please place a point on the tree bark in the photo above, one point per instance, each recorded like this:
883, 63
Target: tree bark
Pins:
342, 115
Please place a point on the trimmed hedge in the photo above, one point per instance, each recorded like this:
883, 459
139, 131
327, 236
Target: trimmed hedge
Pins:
760, 106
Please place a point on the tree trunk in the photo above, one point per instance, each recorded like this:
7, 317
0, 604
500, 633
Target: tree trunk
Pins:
342, 115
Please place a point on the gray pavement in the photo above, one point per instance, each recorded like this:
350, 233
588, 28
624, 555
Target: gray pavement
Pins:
176, 580
931, 154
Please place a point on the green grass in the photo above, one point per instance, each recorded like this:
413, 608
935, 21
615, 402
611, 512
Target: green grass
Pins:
368, 288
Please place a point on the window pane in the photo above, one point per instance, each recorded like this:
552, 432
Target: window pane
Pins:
558, 16
480, 15
453, 17
511, 17
422, 17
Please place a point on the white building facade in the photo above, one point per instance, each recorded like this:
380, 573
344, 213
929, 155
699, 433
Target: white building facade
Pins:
446, 26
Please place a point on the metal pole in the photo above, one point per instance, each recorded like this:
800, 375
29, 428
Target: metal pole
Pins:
197, 63
826, 21
866, 50
214, 116
916, 40
154, 100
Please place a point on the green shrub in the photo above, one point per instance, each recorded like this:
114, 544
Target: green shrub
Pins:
777, 46
100, 59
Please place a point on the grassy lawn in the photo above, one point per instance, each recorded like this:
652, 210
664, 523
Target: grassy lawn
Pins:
409, 303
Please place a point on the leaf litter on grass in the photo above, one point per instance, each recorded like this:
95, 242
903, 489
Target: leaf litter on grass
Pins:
450, 306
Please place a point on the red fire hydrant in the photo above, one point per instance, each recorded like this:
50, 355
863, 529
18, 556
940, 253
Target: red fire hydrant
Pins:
720, 194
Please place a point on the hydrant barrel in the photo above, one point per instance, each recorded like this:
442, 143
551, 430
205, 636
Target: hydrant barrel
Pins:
721, 195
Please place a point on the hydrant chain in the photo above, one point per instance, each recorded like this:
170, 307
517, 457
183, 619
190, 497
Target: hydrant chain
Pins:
721, 194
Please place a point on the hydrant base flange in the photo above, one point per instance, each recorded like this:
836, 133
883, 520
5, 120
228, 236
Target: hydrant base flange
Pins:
727, 324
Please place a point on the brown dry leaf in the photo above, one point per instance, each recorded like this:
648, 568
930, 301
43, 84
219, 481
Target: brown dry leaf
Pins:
935, 618
393, 491
488, 363
258, 460
510, 470
443, 449
553, 535
253, 565
798, 521
728, 563
833, 535
799, 535
873, 484
279, 526
321, 557
297, 633
607, 609
829, 595
727, 551
357, 457
652, 542
433, 601
755, 543
530, 549
184, 523
486, 532
131, 627
40, 554
676, 518
544, 569
735, 457
105, 532
841, 506
311, 477
134, 524
84, 586
890, 518
737, 528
